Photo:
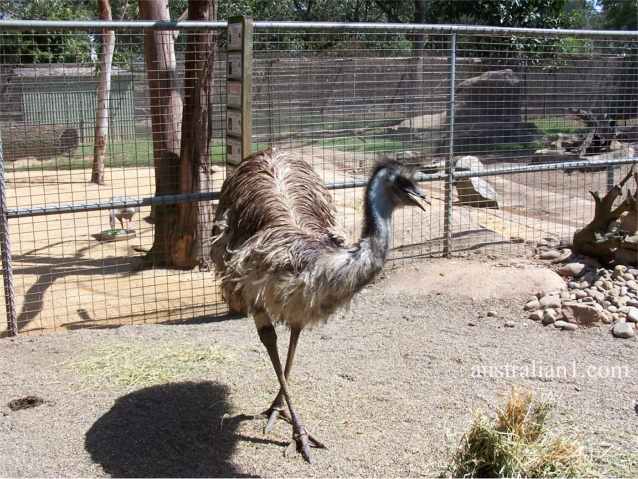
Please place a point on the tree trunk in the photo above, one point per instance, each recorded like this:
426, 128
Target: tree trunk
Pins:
103, 95
166, 112
191, 238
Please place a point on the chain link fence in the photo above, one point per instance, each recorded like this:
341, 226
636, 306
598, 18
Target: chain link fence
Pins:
508, 128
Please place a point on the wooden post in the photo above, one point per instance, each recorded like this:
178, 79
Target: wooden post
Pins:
239, 90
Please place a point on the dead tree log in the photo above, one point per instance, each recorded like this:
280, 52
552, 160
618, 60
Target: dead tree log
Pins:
604, 235
602, 132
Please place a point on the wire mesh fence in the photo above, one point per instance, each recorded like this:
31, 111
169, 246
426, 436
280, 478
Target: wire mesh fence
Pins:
509, 130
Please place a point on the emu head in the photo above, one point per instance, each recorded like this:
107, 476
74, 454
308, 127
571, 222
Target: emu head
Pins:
397, 186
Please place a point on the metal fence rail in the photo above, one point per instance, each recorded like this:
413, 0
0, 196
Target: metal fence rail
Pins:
493, 118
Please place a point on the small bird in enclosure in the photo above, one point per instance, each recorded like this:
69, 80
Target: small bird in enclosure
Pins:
123, 215
283, 262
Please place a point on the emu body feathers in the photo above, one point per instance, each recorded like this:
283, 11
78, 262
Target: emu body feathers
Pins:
277, 246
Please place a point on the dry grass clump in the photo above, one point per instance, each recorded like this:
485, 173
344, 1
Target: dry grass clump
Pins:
144, 364
518, 444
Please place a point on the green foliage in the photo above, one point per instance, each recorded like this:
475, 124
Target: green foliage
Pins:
553, 125
620, 14
47, 47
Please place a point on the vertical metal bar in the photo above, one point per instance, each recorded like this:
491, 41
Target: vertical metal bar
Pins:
449, 164
5, 252
610, 177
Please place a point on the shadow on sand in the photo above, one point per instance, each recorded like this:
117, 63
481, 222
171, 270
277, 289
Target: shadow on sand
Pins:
171, 430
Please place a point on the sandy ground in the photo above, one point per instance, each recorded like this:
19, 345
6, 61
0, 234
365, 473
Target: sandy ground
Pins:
66, 279
390, 385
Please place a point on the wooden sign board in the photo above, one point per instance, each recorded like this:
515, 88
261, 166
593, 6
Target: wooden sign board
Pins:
235, 36
234, 64
233, 94
233, 123
233, 151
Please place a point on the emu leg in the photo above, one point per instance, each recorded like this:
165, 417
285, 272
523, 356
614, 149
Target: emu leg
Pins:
277, 406
300, 435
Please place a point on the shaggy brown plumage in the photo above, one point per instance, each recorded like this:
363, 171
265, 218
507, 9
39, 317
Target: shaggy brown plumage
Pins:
281, 258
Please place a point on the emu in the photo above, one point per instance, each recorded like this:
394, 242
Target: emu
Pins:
282, 261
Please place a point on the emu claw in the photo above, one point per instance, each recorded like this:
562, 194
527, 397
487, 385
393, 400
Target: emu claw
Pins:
273, 413
302, 442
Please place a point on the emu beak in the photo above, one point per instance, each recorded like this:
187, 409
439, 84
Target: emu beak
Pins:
419, 198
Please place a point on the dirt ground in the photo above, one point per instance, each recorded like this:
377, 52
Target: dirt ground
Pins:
66, 279
389, 385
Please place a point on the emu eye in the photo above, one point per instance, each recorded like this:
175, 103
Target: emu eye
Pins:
404, 183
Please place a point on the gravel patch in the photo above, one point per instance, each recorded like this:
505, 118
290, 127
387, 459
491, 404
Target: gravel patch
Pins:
389, 386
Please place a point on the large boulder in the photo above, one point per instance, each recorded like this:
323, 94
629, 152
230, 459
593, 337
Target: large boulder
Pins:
473, 191
489, 110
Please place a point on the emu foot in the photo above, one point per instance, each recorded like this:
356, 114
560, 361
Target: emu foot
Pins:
303, 441
273, 413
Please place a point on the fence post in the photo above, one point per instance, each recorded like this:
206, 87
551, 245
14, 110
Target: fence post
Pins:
5, 252
610, 177
239, 73
449, 164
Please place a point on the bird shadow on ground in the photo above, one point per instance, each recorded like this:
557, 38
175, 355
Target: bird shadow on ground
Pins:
170, 430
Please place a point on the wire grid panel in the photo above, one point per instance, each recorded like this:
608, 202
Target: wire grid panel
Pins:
66, 275
537, 101
342, 101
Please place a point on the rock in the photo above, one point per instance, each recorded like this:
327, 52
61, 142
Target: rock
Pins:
628, 277
573, 285
632, 315
565, 254
510, 324
491, 314
550, 301
632, 302
624, 330
582, 314
549, 316
572, 269
565, 296
476, 192
620, 269
549, 254
580, 294
597, 295
532, 305
536, 315
612, 309
565, 325
633, 285
476, 98
608, 285
633, 271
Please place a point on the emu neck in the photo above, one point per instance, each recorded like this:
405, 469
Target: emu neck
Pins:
378, 215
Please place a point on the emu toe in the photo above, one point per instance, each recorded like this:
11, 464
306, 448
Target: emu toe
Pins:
303, 441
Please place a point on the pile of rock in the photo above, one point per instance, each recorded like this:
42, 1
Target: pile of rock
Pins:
593, 296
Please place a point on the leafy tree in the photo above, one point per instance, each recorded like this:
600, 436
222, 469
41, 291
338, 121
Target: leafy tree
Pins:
620, 14
36, 47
